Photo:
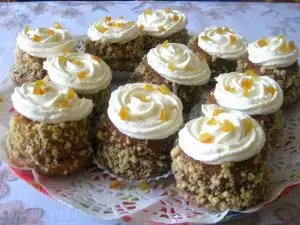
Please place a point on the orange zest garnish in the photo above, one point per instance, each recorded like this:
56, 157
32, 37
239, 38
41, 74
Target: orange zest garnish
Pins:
246, 84
212, 122
82, 75
171, 67
283, 48
164, 89
39, 83
143, 98
164, 115
206, 138
219, 30
27, 28
227, 126
38, 91
205, 38
107, 18
175, 18
66, 51
271, 90
97, 59
62, 58
232, 39
262, 43
166, 44
36, 38
248, 124
148, 11
218, 111
71, 94
124, 114
101, 29
226, 29
141, 27
77, 62
118, 25
149, 87
292, 45
57, 25
49, 31
167, 10
188, 68
246, 92
229, 89
63, 104
161, 28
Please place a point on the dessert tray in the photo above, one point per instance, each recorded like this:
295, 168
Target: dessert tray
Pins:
98, 193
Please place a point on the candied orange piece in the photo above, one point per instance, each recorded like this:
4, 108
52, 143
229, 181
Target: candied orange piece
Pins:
36, 38
175, 18
118, 25
283, 48
246, 84
107, 18
246, 92
143, 98
116, 184
97, 59
164, 89
248, 124
292, 45
62, 58
164, 114
27, 28
212, 122
148, 11
218, 111
38, 91
101, 29
124, 113
149, 87
171, 67
39, 83
71, 93
100, 135
229, 88
262, 43
219, 30
227, 126
1, 100
77, 62
161, 28
271, 90
205, 38
188, 68
82, 75
232, 39
49, 31
206, 138
226, 29
168, 10
250, 72
63, 103
141, 27
66, 51
57, 25
166, 44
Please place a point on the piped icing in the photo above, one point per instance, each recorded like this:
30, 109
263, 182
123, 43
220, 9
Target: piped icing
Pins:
145, 111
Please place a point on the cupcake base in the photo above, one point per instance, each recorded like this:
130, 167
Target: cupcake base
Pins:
189, 95
232, 185
49, 149
120, 57
27, 68
288, 78
132, 158
179, 37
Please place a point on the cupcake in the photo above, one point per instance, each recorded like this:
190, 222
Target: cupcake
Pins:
258, 96
276, 57
49, 132
177, 67
221, 161
222, 48
34, 46
116, 41
160, 25
139, 130
87, 75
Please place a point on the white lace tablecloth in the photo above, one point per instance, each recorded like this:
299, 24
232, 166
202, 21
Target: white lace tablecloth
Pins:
20, 204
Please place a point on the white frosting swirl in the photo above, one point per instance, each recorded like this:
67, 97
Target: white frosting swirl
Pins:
188, 69
52, 42
65, 72
172, 22
236, 145
218, 42
54, 106
260, 100
113, 31
270, 55
145, 116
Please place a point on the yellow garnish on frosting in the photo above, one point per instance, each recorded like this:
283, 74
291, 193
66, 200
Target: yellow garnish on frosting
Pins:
62, 58
246, 92
161, 28
36, 38
166, 44
167, 10
248, 124
100, 135
124, 113
218, 111
175, 18
212, 122
164, 114
63, 103
101, 29
149, 87
226, 29
66, 51
71, 93
57, 25
118, 25
49, 31
76, 62
38, 91
270, 90
206, 138
292, 45
229, 88
39, 83
227, 126
82, 75
283, 48
171, 66
205, 38
107, 18
164, 89
232, 39
188, 68
27, 28
141, 27
96, 58
262, 43
143, 98
219, 30
246, 84
148, 11
250, 72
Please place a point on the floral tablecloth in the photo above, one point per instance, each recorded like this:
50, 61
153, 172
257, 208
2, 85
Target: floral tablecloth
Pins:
21, 204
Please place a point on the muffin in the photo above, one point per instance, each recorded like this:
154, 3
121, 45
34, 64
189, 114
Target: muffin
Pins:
276, 57
177, 67
139, 130
116, 41
87, 75
221, 161
49, 132
160, 25
34, 46
258, 96
222, 48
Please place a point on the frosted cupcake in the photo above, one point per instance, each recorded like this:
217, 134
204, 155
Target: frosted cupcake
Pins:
139, 131
160, 25
177, 67
34, 46
117, 41
222, 48
258, 96
49, 132
221, 161
88, 75
276, 57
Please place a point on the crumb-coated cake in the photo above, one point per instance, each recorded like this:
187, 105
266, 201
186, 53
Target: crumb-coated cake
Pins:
49, 132
86, 74
221, 161
117, 41
160, 25
276, 57
179, 68
258, 96
222, 47
139, 130
34, 46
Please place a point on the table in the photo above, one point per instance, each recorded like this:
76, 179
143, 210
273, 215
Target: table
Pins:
20, 204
